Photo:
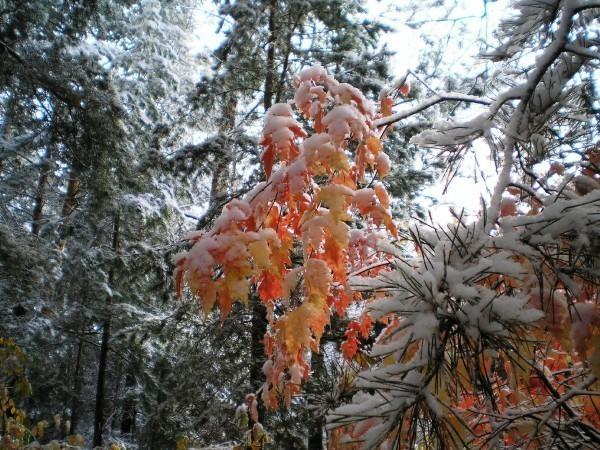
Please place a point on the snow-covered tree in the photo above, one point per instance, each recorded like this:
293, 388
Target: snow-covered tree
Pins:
486, 331
492, 325
92, 101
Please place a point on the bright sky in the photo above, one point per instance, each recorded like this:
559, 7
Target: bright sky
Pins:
475, 21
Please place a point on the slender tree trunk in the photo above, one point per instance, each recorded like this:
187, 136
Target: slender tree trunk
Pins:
315, 437
286, 58
99, 408
69, 203
270, 76
128, 419
155, 437
221, 175
40, 195
100, 394
259, 313
72, 190
257, 351
77, 384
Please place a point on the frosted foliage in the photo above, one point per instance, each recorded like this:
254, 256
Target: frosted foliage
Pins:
308, 199
480, 288
342, 121
446, 285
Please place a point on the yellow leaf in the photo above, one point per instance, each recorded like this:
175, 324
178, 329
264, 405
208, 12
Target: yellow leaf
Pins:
339, 161
317, 277
237, 287
295, 330
260, 252
374, 144
336, 197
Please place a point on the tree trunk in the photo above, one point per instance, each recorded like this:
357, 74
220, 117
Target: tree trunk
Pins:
315, 437
128, 419
72, 190
259, 312
100, 394
69, 203
257, 350
76, 400
270, 76
221, 175
40, 195
286, 56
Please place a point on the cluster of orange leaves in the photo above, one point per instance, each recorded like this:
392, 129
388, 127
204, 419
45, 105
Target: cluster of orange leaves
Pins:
291, 216
316, 185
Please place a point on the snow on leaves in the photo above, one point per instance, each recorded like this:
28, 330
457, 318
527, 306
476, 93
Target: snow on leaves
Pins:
491, 331
468, 334
291, 215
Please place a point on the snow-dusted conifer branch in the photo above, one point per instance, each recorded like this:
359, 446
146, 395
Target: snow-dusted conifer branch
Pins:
493, 328
429, 102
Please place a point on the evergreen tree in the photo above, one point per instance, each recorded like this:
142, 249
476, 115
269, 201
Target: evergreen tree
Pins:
88, 197
265, 43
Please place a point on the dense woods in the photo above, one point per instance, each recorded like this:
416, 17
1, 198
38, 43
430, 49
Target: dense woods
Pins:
231, 247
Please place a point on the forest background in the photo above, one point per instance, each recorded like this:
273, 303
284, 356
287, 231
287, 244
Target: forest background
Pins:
125, 126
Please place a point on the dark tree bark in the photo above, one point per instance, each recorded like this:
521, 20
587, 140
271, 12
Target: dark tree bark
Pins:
270, 75
286, 56
257, 353
128, 419
315, 429
77, 384
102, 363
221, 175
69, 203
40, 195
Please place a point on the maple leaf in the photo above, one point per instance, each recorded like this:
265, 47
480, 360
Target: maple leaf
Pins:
386, 106
260, 252
350, 346
382, 195
334, 255
268, 160
336, 197
207, 293
340, 300
374, 145
317, 277
269, 287
364, 327
295, 331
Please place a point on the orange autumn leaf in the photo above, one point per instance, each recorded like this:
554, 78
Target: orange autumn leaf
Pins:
269, 287
386, 106
349, 347
374, 145
365, 326
268, 159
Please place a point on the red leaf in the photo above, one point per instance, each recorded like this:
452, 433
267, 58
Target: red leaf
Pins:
269, 287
